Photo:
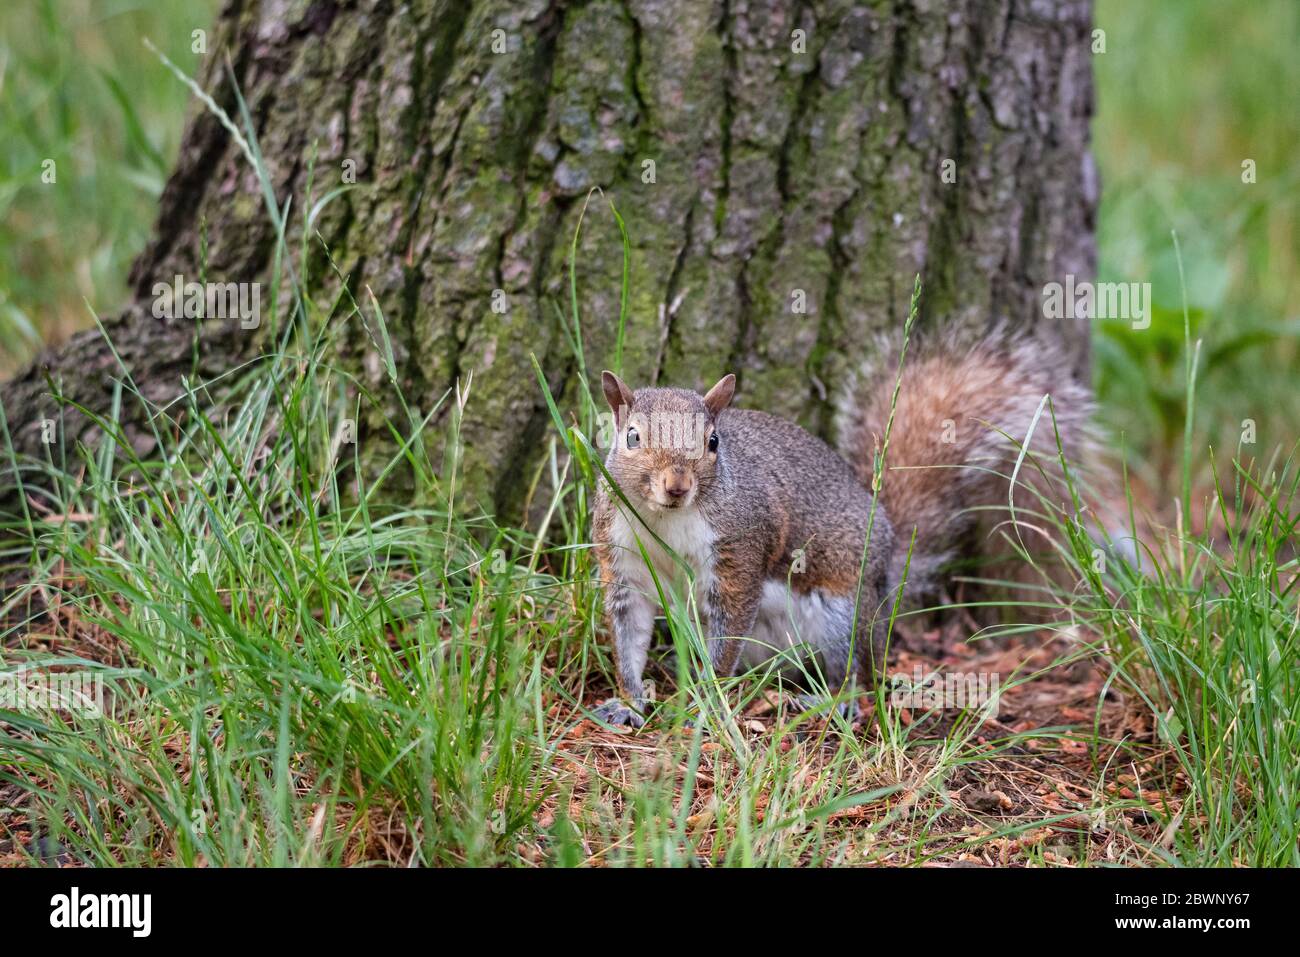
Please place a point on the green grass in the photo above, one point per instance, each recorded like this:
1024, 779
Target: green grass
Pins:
301, 672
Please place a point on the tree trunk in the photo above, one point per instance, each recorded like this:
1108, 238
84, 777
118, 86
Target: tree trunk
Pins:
777, 174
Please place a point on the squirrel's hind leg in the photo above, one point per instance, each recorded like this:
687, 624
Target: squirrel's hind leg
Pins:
730, 611
810, 631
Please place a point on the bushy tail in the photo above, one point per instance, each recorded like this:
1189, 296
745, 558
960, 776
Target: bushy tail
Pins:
960, 422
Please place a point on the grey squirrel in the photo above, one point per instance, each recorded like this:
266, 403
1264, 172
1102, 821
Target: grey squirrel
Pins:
773, 522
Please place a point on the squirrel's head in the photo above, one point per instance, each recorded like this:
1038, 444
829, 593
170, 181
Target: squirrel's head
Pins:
666, 444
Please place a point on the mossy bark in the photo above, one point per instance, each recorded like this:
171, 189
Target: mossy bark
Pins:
777, 172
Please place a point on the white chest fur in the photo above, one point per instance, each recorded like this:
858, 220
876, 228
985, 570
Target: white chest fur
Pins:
685, 531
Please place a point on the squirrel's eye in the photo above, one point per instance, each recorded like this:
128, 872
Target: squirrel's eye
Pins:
713, 442
633, 438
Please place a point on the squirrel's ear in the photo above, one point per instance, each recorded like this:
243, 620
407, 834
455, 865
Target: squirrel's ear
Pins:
617, 394
720, 395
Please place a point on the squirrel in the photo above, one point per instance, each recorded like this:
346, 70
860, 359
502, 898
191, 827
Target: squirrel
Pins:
789, 552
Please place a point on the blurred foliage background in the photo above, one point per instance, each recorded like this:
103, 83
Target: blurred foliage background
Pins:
1187, 91
78, 86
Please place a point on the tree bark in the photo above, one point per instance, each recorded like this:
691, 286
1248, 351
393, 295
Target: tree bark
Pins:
775, 171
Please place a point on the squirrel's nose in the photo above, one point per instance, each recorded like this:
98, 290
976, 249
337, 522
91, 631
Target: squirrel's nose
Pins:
677, 483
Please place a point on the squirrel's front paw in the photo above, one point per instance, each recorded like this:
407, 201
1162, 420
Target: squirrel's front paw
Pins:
619, 714
848, 709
